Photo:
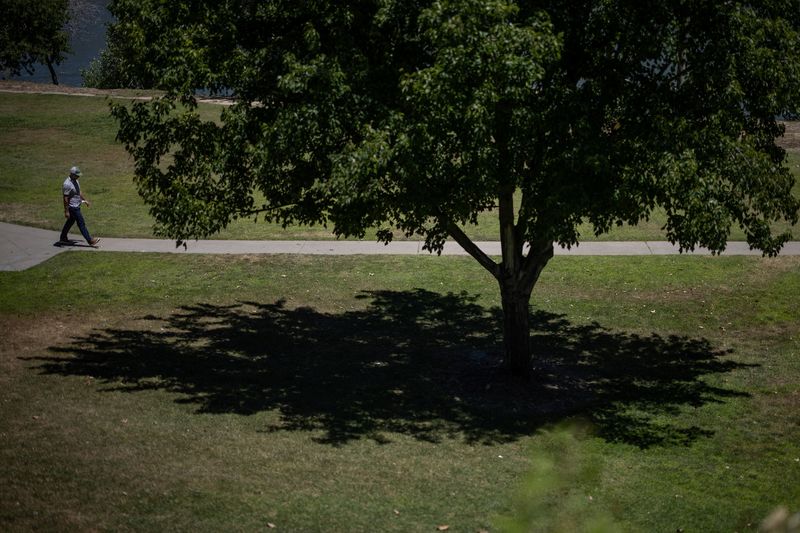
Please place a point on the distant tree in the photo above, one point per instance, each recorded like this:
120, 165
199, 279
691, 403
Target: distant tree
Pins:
33, 32
416, 116
119, 65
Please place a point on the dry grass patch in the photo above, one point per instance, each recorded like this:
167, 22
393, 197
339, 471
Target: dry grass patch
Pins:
23, 336
26, 137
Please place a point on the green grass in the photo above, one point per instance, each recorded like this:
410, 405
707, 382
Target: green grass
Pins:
144, 392
43, 135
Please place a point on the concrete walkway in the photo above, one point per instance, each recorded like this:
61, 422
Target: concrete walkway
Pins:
22, 247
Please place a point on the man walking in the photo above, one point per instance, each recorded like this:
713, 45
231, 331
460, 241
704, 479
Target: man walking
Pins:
73, 198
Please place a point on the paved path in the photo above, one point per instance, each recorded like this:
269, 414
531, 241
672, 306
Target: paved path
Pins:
22, 247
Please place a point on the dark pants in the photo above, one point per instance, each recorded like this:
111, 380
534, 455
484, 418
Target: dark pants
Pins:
75, 216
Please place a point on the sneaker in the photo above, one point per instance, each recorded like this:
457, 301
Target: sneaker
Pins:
94, 241
64, 241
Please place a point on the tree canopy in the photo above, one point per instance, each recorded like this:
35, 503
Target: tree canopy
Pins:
118, 65
415, 116
31, 33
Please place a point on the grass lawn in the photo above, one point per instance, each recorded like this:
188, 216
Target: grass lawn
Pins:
43, 135
149, 392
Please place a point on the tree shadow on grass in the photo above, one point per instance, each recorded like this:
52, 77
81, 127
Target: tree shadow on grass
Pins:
412, 362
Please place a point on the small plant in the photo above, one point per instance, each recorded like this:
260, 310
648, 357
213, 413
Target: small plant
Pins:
553, 496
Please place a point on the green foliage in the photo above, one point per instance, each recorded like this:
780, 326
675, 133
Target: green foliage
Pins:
553, 496
115, 67
33, 33
106, 72
39, 132
419, 115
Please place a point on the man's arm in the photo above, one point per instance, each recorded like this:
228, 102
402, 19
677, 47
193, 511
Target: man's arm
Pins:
85, 201
66, 206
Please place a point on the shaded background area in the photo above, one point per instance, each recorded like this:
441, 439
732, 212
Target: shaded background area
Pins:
87, 32
413, 362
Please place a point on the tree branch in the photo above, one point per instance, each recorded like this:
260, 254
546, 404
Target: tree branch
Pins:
538, 256
473, 250
252, 212
509, 242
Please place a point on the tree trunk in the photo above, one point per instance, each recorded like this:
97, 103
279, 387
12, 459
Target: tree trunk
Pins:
52, 69
516, 331
517, 275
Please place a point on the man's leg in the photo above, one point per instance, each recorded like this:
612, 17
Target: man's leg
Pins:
76, 214
67, 225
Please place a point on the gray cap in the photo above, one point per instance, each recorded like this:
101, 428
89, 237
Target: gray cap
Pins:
75, 171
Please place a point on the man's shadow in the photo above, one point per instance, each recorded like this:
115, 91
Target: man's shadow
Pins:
414, 362
72, 243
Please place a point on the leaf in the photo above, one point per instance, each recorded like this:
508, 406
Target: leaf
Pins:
443, 527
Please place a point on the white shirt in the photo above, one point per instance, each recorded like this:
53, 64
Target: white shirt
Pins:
73, 190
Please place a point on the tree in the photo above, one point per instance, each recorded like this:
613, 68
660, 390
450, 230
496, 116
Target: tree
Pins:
33, 32
110, 70
119, 65
416, 115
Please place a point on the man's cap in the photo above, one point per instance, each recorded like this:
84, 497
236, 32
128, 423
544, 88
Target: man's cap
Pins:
75, 171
